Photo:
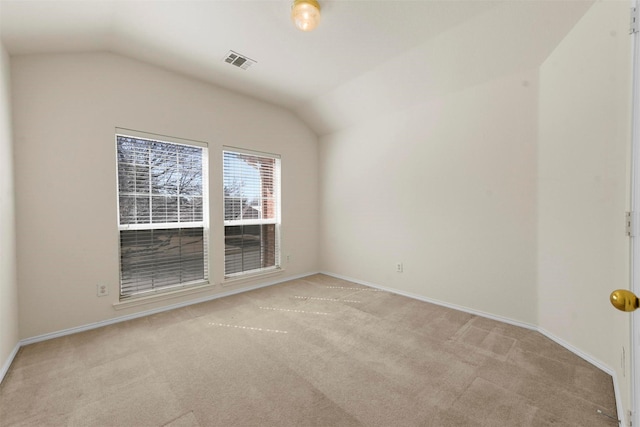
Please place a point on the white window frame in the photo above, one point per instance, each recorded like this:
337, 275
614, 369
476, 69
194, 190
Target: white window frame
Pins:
204, 224
276, 221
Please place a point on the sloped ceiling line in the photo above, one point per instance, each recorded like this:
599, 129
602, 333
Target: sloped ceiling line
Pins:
367, 58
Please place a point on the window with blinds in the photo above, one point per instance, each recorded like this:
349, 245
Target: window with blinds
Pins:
251, 212
162, 193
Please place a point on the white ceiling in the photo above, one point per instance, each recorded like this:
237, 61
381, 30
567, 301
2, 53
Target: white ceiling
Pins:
365, 58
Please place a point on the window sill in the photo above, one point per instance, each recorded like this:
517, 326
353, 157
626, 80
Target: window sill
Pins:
161, 296
234, 280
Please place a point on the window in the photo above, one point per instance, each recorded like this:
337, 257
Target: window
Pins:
251, 212
162, 191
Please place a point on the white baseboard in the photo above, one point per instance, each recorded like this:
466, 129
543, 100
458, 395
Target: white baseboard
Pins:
622, 414
95, 325
559, 341
437, 302
144, 313
8, 362
598, 364
595, 362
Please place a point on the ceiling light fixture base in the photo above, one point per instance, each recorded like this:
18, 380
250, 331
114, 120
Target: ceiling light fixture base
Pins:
305, 14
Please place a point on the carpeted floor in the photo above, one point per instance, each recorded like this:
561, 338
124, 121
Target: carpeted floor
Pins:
316, 351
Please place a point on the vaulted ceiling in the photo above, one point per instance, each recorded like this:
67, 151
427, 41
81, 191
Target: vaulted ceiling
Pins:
366, 58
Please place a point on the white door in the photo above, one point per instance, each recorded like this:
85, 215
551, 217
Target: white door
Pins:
635, 206
636, 367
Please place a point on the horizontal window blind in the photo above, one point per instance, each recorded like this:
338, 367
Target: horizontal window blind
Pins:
251, 212
249, 248
160, 258
162, 214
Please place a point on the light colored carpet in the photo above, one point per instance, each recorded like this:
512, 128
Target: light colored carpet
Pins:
316, 351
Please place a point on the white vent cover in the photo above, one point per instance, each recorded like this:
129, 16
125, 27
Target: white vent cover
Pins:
240, 61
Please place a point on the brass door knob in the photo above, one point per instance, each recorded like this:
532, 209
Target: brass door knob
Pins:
624, 300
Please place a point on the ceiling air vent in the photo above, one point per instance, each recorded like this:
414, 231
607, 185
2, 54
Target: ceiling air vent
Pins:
240, 61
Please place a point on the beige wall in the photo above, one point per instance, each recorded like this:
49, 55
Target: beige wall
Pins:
66, 108
444, 190
505, 197
583, 186
8, 284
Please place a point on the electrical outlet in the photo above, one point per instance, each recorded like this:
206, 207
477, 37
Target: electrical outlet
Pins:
288, 258
103, 290
399, 267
